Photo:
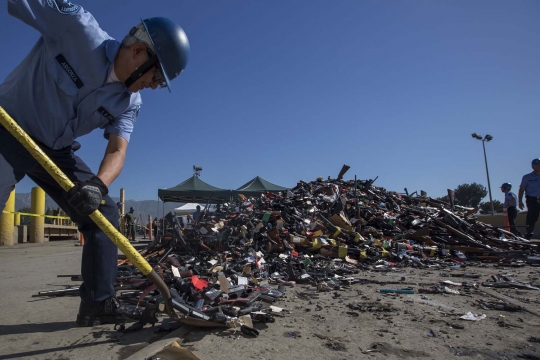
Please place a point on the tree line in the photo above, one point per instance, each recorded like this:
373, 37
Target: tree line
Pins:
471, 195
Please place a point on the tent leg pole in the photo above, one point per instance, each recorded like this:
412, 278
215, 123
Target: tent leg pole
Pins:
163, 227
157, 210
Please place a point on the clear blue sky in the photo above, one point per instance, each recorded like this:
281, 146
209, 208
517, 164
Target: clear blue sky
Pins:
292, 90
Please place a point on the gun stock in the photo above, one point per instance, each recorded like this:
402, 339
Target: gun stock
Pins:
344, 169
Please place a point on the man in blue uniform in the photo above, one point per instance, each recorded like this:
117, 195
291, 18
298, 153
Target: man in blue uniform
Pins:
76, 79
510, 205
131, 222
530, 185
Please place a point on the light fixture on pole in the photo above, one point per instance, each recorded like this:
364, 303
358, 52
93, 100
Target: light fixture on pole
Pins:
484, 139
197, 170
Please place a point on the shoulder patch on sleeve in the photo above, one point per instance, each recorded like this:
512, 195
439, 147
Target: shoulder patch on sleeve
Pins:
63, 6
105, 113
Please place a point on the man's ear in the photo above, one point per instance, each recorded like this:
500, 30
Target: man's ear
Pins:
138, 49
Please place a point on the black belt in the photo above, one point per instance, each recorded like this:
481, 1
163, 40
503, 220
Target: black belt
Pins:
532, 197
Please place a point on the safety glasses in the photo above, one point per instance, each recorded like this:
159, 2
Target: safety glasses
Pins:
158, 74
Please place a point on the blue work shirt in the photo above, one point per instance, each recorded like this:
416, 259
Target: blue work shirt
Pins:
531, 183
509, 196
59, 91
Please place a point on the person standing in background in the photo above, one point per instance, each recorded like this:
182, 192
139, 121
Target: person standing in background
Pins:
530, 185
131, 221
155, 226
510, 205
197, 214
119, 206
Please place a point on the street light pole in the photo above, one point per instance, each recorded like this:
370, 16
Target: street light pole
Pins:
487, 172
486, 138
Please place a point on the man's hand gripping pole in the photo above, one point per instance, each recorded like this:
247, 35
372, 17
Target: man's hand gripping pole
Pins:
116, 237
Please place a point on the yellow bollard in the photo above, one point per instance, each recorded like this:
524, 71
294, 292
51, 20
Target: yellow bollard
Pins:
17, 219
37, 223
7, 221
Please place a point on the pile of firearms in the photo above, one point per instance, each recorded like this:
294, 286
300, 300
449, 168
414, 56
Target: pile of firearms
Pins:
355, 221
239, 260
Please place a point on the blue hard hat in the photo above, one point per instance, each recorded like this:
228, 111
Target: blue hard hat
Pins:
131, 209
506, 185
119, 203
171, 45
536, 161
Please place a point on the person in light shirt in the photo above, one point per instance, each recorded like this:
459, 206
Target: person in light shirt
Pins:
510, 205
530, 186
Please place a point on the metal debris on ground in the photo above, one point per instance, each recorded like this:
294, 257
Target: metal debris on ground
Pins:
228, 268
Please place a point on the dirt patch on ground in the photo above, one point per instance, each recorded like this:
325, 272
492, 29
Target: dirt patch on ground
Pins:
359, 322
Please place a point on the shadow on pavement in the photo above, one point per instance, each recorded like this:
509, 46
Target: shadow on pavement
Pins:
34, 328
97, 335
61, 348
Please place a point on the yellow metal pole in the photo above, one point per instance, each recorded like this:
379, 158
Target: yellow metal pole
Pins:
37, 223
118, 239
17, 219
7, 220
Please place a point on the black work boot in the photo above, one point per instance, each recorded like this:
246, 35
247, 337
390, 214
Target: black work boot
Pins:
108, 312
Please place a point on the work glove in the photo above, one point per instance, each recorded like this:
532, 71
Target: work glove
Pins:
85, 197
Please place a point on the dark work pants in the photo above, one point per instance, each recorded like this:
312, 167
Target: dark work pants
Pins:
131, 232
512, 214
100, 255
533, 211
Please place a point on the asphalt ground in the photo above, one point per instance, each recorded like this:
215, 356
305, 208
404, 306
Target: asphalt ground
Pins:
45, 328
356, 322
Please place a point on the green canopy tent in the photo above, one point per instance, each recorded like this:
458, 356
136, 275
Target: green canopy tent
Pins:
194, 190
258, 186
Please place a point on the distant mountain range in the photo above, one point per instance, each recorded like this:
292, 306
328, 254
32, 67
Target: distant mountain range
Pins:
144, 207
